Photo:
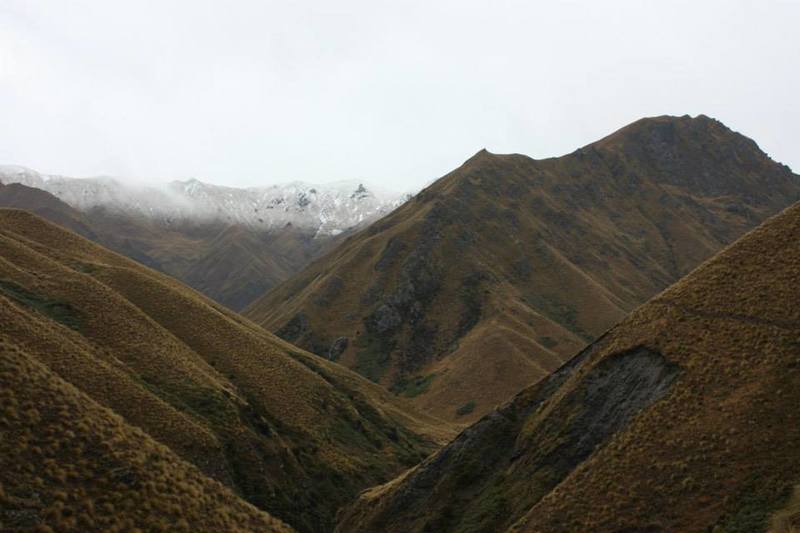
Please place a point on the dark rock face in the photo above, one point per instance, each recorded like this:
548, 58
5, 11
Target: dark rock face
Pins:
609, 396
419, 280
471, 299
612, 393
330, 292
337, 348
390, 253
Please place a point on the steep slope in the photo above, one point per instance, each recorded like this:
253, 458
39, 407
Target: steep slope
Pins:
681, 418
73, 465
232, 264
291, 433
492, 276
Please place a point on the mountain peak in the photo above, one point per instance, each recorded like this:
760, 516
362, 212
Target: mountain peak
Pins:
482, 154
666, 127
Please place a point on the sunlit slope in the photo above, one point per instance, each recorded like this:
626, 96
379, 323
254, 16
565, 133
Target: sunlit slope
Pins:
682, 418
493, 275
290, 432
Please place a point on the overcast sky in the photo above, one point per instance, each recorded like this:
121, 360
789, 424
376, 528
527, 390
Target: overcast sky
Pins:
396, 93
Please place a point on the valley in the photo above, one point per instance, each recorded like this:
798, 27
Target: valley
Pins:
602, 341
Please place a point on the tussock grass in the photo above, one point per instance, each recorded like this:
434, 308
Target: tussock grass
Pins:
502, 269
68, 464
289, 432
719, 451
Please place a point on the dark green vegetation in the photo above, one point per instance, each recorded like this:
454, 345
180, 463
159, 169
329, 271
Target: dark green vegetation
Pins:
681, 418
495, 274
466, 409
411, 387
61, 312
288, 432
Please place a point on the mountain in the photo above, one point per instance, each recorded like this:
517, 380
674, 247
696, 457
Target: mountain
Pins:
231, 244
681, 418
328, 209
159, 373
491, 277
232, 264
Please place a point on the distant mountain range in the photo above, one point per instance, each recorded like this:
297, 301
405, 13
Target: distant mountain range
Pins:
323, 210
488, 279
231, 244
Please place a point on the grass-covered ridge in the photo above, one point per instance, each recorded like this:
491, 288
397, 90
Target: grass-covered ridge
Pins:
289, 432
500, 270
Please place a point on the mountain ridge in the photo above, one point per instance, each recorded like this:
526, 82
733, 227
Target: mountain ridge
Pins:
325, 210
526, 260
287, 431
679, 418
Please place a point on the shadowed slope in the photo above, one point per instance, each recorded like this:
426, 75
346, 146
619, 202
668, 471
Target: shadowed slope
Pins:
231, 264
492, 276
681, 418
288, 431
45, 205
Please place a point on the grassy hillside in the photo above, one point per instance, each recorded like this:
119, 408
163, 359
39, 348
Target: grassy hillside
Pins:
681, 418
289, 432
495, 274
68, 464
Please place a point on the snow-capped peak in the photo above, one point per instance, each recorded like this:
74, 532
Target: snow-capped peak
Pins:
325, 209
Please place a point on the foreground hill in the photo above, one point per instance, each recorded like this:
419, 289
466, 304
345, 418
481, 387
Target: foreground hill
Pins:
488, 279
682, 418
66, 463
289, 432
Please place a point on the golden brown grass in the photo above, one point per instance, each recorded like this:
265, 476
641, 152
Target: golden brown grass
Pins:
564, 247
68, 464
288, 431
720, 450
